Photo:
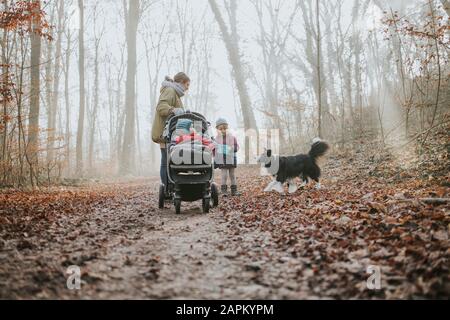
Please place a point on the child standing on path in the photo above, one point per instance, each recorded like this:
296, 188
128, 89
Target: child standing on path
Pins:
226, 158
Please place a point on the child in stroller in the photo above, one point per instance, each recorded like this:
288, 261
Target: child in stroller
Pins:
185, 133
190, 162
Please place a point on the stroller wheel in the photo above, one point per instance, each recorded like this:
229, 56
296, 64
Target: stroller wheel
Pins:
206, 205
162, 196
214, 195
177, 203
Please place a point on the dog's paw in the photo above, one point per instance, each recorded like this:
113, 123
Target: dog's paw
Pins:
293, 188
278, 187
269, 188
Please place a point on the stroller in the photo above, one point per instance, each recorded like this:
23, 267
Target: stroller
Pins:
190, 167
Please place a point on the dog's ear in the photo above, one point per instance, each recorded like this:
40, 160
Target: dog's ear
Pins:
269, 153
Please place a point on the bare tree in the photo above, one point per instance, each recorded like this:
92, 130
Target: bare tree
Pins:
156, 43
120, 120
319, 70
131, 26
56, 80
232, 45
81, 70
48, 81
33, 128
66, 69
310, 61
273, 36
4, 88
203, 98
95, 105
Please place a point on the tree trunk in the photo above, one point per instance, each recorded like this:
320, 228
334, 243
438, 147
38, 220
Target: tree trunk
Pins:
55, 93
67, 101
152, 88
232, 45
235, 60
94, 108
33, 128
313, 50
272, 44
120, 120
81, 63
49, 60
319, 70
132, 21
138, 136
5, 79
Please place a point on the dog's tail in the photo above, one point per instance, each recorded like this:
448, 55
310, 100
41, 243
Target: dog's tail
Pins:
318, 149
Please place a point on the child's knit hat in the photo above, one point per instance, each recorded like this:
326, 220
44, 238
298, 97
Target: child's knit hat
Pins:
184, 124
221, 122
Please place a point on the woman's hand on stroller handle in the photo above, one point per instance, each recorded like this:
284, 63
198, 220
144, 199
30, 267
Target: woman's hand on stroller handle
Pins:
178, 112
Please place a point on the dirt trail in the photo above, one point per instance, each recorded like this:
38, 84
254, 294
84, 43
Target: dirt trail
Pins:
128, 249
314, 244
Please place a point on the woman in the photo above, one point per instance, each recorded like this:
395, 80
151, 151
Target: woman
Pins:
169, 103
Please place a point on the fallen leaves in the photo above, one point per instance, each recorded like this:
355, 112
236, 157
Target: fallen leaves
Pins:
356, 221
315, 243
44, 232
441, 235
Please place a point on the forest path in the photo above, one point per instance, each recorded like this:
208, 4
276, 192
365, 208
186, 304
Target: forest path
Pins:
126, 248
314, 244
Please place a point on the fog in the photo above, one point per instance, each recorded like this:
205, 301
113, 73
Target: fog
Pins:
344, 74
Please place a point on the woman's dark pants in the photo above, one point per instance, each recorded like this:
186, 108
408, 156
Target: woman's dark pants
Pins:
163, 170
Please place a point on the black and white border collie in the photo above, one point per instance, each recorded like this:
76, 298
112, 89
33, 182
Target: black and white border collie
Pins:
286, 169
